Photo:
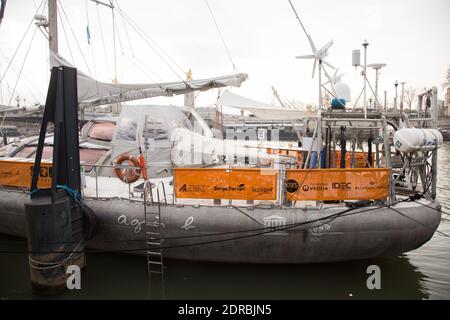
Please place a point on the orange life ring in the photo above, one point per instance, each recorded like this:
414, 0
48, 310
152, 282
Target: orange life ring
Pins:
132, 174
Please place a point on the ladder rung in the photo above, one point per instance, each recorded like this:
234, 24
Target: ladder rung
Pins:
155, 262
153, 243
154, 253
157, 272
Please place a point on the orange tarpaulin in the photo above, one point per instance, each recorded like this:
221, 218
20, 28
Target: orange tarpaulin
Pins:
337, 184
296, 154
360, 159
221, 183
15, 172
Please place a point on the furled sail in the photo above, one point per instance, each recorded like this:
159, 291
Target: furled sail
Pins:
262, 110
93, 93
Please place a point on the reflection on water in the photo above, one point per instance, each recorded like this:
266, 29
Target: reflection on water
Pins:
116, 276
421, 274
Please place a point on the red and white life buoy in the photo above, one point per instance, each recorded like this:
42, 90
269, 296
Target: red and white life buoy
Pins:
130, 175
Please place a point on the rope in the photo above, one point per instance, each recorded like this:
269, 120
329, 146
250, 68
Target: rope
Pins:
53, 265
18, 78
25, 81
65, 35
89, 39
21, 69
20, 42
148, 40
114, 44
422, 224
103, 41
126, 33
74, 36
221, 37
73, 193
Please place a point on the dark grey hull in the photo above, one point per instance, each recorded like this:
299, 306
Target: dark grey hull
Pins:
362, 233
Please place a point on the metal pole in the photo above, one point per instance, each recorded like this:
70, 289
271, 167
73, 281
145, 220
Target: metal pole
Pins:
396, 96
387, 157
419, 104
403, 93
434, 174
376, 91
385, 101
319, 115
96, 182
434, 106
365, 44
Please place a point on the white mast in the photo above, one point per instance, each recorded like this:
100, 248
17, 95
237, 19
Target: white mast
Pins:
52, 28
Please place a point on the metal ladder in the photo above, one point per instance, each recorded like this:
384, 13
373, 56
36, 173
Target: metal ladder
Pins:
153, 240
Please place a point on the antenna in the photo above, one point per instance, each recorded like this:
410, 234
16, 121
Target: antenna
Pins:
377, 67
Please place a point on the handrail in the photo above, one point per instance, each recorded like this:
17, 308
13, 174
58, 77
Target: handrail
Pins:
148, 189
164, 192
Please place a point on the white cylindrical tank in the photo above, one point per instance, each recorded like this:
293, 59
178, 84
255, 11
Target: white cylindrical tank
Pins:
412, 139
356, 58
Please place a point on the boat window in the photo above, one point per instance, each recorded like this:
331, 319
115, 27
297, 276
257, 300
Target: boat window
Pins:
127, 130
90, 156
26, 152
87, 155
102, 131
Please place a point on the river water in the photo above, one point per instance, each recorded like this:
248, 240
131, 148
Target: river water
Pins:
420, 274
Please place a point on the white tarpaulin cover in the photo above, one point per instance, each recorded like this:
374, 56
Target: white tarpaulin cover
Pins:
262, 110
177, 136
93, 93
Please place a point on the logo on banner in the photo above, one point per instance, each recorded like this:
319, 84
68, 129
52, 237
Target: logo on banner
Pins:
240, 187
291, 186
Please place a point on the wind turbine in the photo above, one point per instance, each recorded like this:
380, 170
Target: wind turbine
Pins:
335, 78
318, 56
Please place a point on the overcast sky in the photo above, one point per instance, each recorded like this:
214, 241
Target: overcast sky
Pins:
263, 37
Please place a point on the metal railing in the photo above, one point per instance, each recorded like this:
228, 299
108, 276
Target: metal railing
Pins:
95, 171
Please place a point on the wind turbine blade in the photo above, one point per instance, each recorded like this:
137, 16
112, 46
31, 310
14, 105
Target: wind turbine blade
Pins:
313, 46
327, 46
330, 79
307, 56
314, 68
326, 63
335, 73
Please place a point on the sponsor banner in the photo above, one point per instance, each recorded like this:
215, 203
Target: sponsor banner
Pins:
221, 183
337, 184
18, 172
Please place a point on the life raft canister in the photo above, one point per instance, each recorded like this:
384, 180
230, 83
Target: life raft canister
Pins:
130, 175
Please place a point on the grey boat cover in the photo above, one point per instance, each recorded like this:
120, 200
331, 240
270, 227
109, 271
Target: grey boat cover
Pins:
93, 93
262, 110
